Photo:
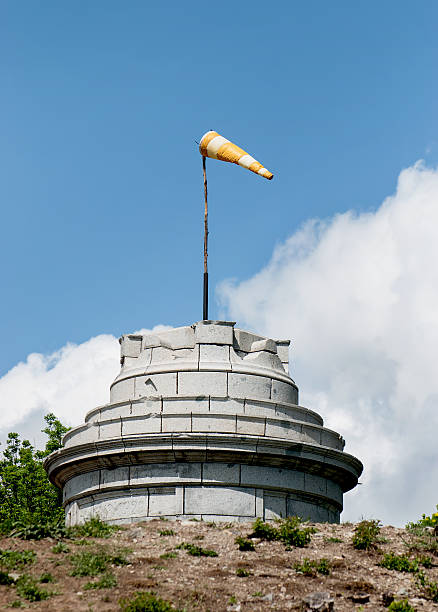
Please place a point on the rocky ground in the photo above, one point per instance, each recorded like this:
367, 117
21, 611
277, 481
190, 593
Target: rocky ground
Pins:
268, 580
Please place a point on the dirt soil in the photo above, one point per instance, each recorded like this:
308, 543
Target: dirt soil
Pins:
356, 581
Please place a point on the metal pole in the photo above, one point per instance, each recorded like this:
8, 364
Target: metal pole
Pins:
205, 308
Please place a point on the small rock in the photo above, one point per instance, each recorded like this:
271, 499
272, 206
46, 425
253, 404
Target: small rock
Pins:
267, 597
402, 592
360, 597
319, 601
234, 608
14, 575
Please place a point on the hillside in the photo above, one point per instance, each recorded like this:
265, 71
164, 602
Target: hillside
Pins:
145, 557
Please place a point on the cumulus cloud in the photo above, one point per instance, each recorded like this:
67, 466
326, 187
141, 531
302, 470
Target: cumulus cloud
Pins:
68, 382
358, 294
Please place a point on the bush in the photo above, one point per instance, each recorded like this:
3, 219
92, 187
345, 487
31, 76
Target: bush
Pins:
244, 544
401, 606
423, 535
144, 601
60, 547
15, 559
28, 588
242, 572
401, 563
26, 495
311, 568
289, 531
366, 535
197, 551
90, 563
5, 579
93, 528
31, 529
167, 532
107, 581
425, 521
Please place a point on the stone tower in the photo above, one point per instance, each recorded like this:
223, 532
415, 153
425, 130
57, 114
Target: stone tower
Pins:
203, 422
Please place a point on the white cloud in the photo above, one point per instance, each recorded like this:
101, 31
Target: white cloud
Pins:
358, 294
69, 382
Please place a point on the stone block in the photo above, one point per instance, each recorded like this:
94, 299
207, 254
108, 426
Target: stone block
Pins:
79, 485
130, 346
261, 360
81, 435
331, 439
304, 510
226, 405
259, 509
214, 357
179, 338
272, 477
259, 408
162, 473
220, 500
165, 501
264, 345
315, 484
274, 505
311, 435
111, 507
110, 429
283, 350
162, 354
253, 426
214, 332
155, 384
122, 390
224, 473
146, 406
119, 411
146, 424
181, 422
283, 392
181, 405
143, 360
118, 477
202, 383
244, 340
248, 386
334, 491
216, 423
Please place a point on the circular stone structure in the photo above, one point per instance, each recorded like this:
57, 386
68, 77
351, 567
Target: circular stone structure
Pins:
203, 422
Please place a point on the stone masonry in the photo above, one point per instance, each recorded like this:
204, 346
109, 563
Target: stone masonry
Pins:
203, 422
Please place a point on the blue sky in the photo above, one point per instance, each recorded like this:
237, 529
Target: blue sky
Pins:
101, 178
102, 207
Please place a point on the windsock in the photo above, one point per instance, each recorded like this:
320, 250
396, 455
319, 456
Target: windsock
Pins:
217, 147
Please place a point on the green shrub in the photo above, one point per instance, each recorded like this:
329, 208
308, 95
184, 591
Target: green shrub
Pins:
242, 572
264, 531
28, 588
27, 497
6, 579
310, 568
169, 555
366, 535
402, 563
425, 521
107, 581
401, 606
32, 529
46, 578
288, 531
93, 528
244, 543
197, 551
89, 563
167, 532
60, 547
15, 559
144, 601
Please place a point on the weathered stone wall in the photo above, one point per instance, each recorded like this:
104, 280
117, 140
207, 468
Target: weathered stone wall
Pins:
203, 422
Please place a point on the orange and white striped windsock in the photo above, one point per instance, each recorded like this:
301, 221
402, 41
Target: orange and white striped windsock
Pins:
217, 147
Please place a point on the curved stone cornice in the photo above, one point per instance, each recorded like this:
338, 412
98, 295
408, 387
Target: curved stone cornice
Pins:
161, 448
